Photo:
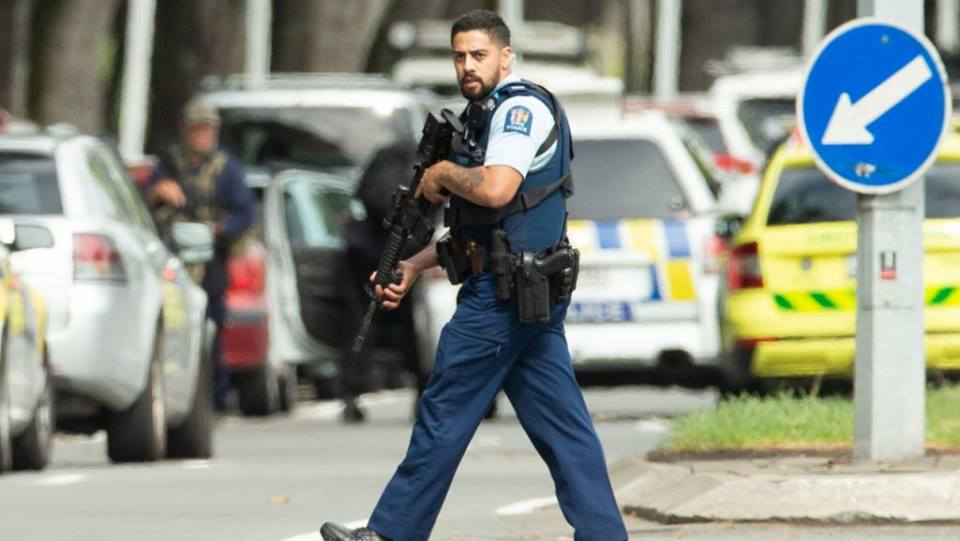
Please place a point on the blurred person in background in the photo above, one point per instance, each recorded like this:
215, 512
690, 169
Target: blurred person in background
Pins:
196, 181
388, 168
510, 182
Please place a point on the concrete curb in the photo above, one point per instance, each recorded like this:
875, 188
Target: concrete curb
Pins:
751, 491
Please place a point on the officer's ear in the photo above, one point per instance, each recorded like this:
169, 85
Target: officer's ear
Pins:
506, 58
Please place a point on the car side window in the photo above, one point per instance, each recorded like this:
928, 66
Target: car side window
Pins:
104, 194
127, 193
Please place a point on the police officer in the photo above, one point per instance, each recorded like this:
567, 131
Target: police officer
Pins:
197, 181
517, 174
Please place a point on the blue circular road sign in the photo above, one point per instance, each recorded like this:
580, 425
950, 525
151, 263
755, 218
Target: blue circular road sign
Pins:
874, 106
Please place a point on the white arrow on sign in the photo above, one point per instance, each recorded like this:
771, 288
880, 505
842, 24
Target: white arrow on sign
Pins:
848, 125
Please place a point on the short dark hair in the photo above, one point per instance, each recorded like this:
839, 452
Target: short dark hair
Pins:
485, 20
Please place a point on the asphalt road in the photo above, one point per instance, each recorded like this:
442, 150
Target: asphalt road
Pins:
279, 479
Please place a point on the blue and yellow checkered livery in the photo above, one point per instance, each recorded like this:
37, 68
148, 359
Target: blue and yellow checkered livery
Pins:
666, 243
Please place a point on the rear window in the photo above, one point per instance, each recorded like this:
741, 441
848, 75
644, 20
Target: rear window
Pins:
627, 178
28, 185
315, 137
709, 131
767, 120
805, 196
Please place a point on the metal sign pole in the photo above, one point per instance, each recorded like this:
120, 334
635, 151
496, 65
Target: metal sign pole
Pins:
890, 369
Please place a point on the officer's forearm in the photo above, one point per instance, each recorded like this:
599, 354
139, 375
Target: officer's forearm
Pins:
425, 259
485, 186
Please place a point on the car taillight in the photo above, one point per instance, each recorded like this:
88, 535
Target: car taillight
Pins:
714, 248
95, 257
733, 164
246, 274
743, 269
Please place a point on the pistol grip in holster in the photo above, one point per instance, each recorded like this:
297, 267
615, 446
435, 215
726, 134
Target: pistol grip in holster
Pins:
452, 259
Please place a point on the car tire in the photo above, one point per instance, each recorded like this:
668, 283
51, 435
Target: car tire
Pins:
257, 392
6, 440
288, 391
32, 448
194, 437
139, 434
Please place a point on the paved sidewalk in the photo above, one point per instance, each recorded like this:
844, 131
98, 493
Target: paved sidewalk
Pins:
798, 489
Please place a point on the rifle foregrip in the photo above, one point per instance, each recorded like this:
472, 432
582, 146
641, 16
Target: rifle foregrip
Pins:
386, 268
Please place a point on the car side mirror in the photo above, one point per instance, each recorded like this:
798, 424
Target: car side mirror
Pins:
18, 237
728, 226
194, 241
8, 233
30, 236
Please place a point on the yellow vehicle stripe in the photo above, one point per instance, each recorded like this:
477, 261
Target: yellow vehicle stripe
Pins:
642, 237
681, 283
846, 299
583, 235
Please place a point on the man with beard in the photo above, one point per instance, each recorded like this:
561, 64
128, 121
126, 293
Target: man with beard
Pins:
507, 185
196, 181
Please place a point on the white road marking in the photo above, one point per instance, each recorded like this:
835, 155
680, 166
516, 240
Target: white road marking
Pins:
651, 426
312, 536
59, 479
315, 536
526, 507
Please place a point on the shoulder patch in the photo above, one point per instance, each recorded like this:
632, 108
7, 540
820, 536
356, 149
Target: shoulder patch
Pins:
519, 119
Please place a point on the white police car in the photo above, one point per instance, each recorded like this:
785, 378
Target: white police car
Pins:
643, 217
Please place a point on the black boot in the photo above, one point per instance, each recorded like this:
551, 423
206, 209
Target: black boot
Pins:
336, 532
352, 414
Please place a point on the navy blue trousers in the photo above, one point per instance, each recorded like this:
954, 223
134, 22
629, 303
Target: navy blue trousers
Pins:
482, 349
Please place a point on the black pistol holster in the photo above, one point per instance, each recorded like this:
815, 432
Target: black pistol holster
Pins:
536, 281
453, 258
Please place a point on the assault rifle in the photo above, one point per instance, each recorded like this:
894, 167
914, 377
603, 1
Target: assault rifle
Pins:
410, 217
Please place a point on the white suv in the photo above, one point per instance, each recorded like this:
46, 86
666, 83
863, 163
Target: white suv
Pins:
127, 332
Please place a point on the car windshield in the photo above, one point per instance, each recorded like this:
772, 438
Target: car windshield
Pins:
623, 178
28, 185
767, 120
314, 137
805, 195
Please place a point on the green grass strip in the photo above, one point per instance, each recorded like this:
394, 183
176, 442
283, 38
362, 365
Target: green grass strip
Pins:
787, 421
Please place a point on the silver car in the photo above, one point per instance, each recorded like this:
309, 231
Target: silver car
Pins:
26, 390
127, 333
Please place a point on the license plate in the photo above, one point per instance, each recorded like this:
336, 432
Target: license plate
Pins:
600, 312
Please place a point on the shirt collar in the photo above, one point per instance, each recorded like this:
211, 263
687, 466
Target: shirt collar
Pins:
509, 79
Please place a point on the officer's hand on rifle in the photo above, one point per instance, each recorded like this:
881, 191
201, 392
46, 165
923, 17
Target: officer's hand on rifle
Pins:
430, 187
167, 192
394, 293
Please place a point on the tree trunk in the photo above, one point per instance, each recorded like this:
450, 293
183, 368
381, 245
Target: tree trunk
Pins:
14, 55
193, 40
325, 35
70, 41
639, 46
709, 33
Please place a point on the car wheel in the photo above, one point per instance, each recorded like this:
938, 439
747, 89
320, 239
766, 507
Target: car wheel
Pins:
258, 392
32, 448
288, 390
194, 437
139, 434
6, 443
